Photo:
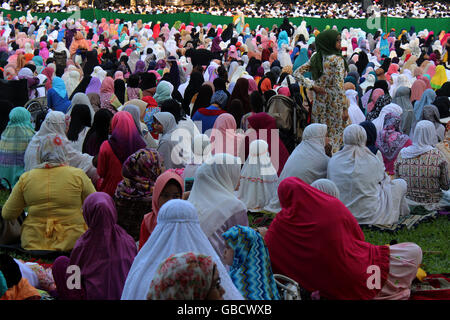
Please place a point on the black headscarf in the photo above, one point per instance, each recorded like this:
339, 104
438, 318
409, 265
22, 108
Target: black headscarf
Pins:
371, 132
119, 90
5, 108
80, 118
91, 62
237, 111
443, 105
203, 99
148, 81
172, 106
98, 132
195, 82
10, 270
444, 91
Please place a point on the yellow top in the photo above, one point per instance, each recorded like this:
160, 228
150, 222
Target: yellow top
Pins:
54, 198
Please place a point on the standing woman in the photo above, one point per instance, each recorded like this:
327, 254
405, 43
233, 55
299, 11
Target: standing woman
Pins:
14, 142
328, 71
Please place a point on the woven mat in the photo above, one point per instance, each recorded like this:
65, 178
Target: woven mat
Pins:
433, 287
408, 222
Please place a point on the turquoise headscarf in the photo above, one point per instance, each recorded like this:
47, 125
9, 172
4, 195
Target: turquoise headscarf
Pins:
428, 97
59, 86
3, 286
14, 141
384, 45
301, 59
251, 271
163, 91
282, 38
39, 63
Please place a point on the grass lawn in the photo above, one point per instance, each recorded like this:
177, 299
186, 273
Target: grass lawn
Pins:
433, 237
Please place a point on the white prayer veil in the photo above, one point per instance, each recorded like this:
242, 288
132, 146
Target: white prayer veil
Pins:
258, 181
424, 140
213, 191
177, 230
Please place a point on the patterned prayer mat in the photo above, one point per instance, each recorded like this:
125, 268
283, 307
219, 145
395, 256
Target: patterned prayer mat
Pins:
433, 287
408, 222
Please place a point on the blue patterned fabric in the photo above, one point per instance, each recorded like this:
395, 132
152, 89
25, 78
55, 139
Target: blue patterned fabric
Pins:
251, 271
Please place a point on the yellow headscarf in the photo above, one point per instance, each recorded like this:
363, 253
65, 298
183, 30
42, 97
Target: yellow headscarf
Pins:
439, 78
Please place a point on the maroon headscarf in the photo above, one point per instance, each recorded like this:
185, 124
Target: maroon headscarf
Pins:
125, 139
265, 55
105, 252
261, 121
240, 92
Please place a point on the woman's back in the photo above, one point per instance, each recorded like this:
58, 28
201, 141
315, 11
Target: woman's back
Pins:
54, 198
425, 175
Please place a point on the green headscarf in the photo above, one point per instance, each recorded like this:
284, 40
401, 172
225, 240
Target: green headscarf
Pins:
325, 46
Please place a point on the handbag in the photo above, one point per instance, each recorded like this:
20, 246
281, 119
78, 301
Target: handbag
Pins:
288, 288
10, 230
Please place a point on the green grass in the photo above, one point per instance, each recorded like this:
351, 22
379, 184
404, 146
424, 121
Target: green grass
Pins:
432, 236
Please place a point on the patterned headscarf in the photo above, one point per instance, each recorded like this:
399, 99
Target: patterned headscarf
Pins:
390, 140
139, 172
52, 152
251, 271
183, 276
379, 104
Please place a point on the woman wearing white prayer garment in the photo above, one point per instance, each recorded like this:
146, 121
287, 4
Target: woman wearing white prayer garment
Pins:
213, 195
258, 181
365, 188
177, 230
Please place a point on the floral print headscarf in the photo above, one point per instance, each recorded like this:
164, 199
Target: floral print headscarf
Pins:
139, 172
183, 276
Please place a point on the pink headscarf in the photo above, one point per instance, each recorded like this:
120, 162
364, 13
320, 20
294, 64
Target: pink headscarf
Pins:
284, 91
426, 80
43, 52
150, 219
224, 138
375, 95
118, 75
252, 86
417, 89
232, 52
49, 72
393, 68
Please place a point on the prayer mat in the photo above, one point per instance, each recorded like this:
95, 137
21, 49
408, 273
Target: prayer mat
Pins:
433, 287
410, 221
260, 219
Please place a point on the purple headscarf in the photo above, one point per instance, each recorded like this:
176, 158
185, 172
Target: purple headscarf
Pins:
94, 86
140, 67
105, 252
215, 44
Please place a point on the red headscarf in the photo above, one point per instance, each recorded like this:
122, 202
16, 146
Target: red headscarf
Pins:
316, 241
260, 122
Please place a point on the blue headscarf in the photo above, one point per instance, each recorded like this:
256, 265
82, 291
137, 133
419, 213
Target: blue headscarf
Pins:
60, 87
251, 271
294, 52
282, 38
384, 46
301, 59
428, 97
